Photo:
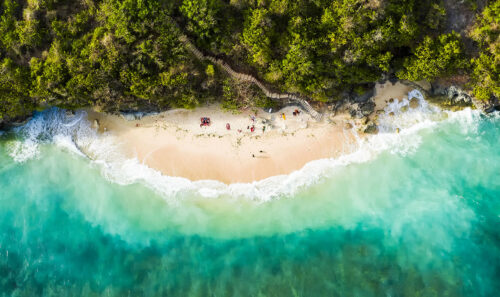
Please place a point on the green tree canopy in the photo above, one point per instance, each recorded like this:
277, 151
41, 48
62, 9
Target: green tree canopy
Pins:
435, 57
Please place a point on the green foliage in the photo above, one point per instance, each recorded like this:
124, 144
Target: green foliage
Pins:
230, 96
317, 47
8, 34
487, 30
126, 54
49, 76
14, 80
210, 71
29, 33
486, 73
435, 57
256, 36
265, 102
201, 16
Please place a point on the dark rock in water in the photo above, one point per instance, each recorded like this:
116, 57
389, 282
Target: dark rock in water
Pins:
371, 129
355, 111
95, 125
360, 110
8, 123
136, 115
367, 108
458, 96
451, 95
488, 106
414, 103
20, 122
492, 108
128, 116
438, 90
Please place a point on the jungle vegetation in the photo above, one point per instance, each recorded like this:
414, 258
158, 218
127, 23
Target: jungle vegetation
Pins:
125, 54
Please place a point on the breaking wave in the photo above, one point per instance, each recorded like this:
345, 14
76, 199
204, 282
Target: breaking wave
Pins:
399, 128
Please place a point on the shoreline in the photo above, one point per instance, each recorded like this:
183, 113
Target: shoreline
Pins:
173, 142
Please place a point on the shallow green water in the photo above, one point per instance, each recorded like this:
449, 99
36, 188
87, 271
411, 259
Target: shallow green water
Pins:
419, 221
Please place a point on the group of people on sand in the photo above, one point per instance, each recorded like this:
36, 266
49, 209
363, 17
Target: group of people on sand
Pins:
261, 151
252, 128
205, 121
296, 112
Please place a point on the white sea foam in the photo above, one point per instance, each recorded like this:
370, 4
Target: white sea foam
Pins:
74, 133
53, 125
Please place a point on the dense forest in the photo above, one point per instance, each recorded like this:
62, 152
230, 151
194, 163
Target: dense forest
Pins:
118, 55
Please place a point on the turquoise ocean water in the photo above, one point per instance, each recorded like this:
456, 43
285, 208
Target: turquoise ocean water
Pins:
415, 213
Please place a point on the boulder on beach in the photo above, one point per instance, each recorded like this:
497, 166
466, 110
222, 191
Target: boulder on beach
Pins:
371, 129
414, 103
128, 116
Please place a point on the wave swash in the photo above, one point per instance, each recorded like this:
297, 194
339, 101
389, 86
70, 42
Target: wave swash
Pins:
399, 128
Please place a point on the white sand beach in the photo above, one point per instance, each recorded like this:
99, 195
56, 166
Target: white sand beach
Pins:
174, 143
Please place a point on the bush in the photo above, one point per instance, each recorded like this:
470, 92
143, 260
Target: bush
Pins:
486, 68
435, 57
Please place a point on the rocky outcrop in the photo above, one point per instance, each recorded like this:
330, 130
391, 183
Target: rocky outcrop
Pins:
414, 103
95, 124
453, 94
135, 115
360, 110
488, 106
358, 105
9, 123
371, 128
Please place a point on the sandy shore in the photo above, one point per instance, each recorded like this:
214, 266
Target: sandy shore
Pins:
174, 143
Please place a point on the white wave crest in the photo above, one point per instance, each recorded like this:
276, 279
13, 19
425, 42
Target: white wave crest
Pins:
53, 125
398, 134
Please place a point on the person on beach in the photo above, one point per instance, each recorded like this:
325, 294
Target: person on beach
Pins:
283, 116
228, 127
252, 128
